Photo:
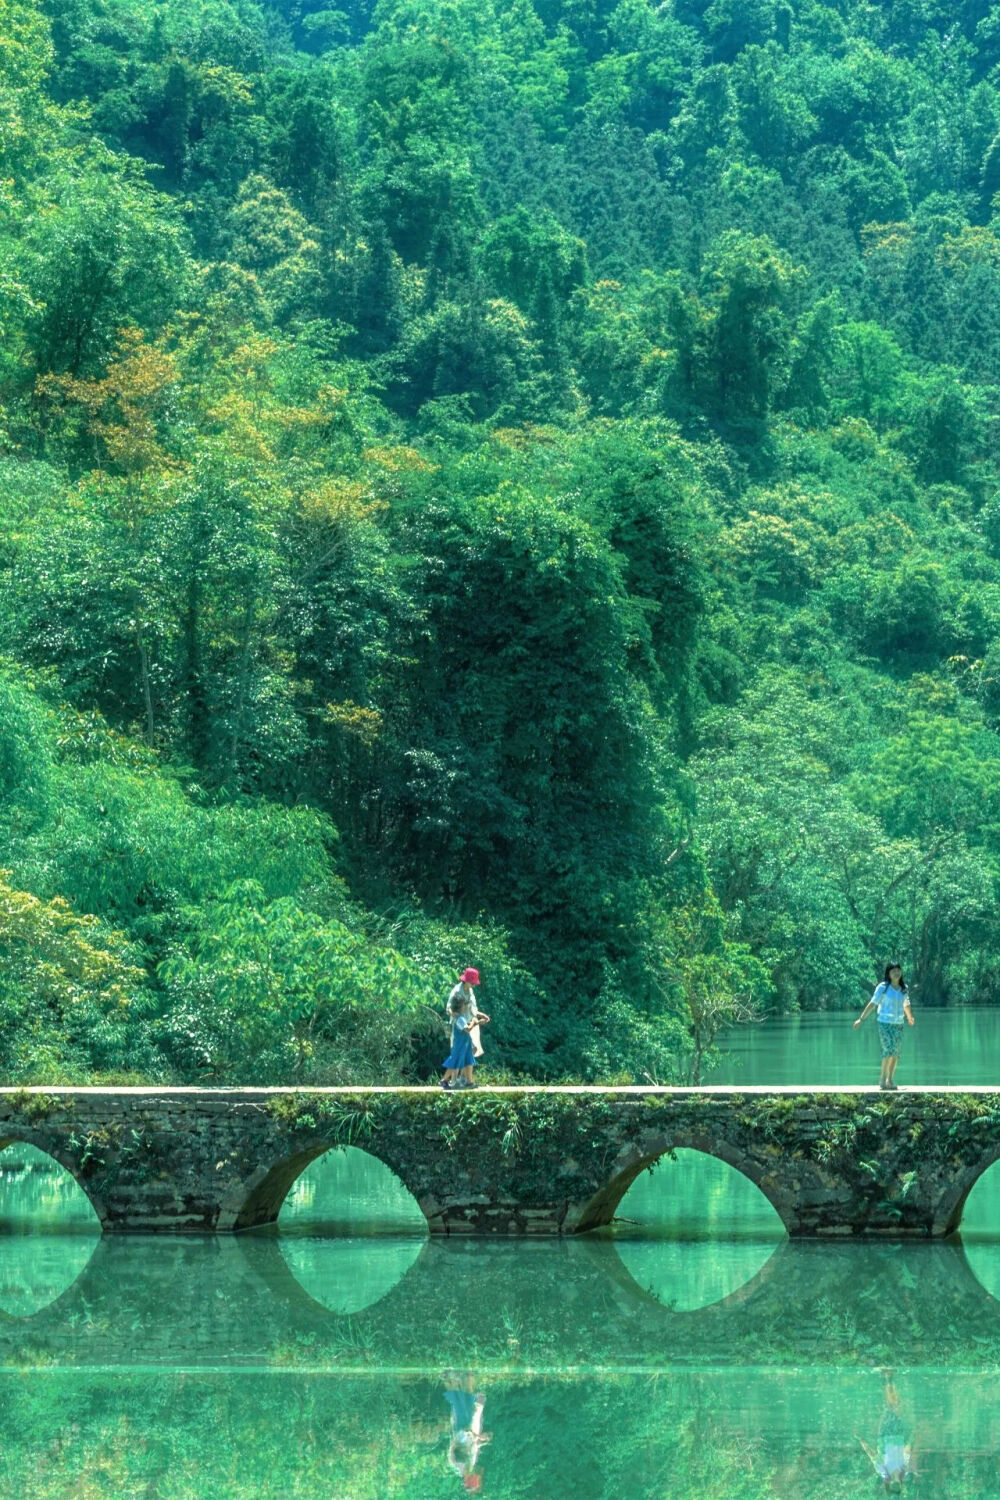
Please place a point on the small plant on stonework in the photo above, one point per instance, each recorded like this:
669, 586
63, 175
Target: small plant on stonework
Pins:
344, 1124
348, 1125
95, 1147
286, 1109
31, 1106
139, 1151
906, 1183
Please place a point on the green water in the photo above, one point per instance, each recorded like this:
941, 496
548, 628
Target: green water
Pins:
691, 1351
942, 1047
198, 1369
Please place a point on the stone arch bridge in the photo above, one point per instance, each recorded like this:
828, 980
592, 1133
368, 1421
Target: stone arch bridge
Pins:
540, 1161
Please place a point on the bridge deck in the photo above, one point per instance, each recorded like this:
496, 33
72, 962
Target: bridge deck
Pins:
726, 1090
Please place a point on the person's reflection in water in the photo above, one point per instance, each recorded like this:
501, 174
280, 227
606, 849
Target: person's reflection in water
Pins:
893, 1459
467, 1435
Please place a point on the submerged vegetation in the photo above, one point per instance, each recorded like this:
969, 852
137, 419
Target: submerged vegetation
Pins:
496, 483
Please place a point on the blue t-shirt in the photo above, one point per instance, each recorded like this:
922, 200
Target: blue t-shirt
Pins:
890, 1003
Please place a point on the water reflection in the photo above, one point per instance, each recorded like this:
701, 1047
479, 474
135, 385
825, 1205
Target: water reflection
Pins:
466, 1437
497, 1308
756, 1434
521, 1370
36, 1270
686, 1275
618, 1301
48, 1231
402, 1368
349, 1230
347, 1275
892, 1456
694, 1231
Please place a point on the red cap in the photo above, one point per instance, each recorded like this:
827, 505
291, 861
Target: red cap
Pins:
473, 1481
471, 976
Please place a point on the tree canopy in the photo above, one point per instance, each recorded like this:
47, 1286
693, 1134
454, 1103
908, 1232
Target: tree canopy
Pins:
498, 484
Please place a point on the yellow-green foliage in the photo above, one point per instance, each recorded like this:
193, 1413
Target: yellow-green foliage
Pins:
72, 995
506, 482
64, 958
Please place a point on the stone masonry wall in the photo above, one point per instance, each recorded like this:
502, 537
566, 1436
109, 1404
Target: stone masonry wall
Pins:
514, 1161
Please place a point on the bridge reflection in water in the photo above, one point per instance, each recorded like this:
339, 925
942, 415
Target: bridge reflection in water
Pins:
37, 1195
299, 1365
245, 1302
295, 1364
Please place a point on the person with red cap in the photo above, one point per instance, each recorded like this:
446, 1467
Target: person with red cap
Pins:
465, 1019
467, 1435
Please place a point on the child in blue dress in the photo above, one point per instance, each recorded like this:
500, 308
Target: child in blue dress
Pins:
461, 1060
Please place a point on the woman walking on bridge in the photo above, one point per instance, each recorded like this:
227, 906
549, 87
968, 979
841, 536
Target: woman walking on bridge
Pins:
465, 1019
892, 1001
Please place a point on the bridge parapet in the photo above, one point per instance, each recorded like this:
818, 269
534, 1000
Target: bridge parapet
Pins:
514, 1161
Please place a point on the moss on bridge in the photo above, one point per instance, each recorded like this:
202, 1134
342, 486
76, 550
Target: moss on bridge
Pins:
889, 1161
513, 1161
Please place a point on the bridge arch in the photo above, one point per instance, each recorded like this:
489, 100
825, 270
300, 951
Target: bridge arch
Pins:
951, 1207
60, 1157
258, 1199
638, 1157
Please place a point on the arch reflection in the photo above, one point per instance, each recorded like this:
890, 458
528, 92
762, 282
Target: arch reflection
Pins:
687, 1275
348, 1275
36, 1270
980, 1230
349, 1230
48, 1230
692, 1231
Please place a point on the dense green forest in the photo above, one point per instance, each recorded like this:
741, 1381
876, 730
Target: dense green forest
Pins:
496, 483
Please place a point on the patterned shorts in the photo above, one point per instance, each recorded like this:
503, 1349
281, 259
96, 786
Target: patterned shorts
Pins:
890, 1037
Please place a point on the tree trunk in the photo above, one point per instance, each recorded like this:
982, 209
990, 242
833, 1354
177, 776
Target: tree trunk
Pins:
147, 693
243, 679
194, 687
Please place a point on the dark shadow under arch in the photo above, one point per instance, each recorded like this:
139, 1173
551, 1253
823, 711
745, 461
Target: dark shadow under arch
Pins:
601, 1208
257, 1202
948, 1218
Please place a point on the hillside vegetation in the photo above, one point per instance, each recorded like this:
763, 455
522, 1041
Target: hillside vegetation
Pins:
491, 482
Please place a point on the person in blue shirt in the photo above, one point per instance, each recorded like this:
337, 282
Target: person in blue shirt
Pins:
892, 1002
892, 1457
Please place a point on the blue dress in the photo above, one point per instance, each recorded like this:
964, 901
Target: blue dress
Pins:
461, 1054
